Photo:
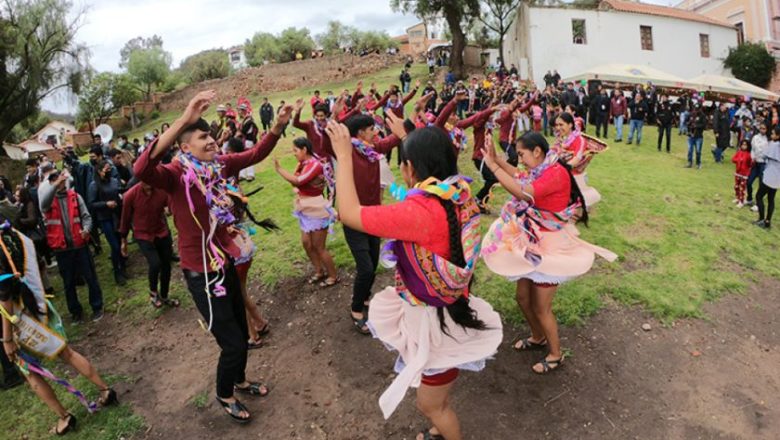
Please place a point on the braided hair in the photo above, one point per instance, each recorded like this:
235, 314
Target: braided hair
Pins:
430, 152
13, 288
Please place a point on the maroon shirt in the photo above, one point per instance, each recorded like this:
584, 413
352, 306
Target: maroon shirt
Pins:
169, 178
144, 214
479, 132
318, 138
366, 173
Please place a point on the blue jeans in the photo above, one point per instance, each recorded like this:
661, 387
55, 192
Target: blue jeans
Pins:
683, 123
405, 86
636, 126
78, 262
619, 128
694, 142
112, 237
462, 107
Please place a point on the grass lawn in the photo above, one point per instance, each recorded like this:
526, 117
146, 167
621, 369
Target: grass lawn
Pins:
680, 239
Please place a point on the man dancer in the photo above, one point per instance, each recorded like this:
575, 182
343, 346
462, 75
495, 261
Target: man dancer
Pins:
206, 246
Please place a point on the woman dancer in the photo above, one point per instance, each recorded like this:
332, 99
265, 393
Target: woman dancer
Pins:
770, 181
314, 212
429, 316
534, 242
32, 327
572, 146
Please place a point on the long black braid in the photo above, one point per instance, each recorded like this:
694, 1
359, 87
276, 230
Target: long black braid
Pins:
13, 288
241, 208
576, 194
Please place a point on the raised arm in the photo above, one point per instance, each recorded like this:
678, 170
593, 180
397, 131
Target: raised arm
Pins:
378, 104
445, 113
498, 166
477, 119
398, 135
297, 119
411, 94
237, 162
347, 203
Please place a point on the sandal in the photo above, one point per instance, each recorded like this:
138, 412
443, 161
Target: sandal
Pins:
360, 325
171, 302
70, 426
234, 410
317, 277
265, 330
548, 366
428, 436
253, 389
329, 282
257, 341
155, 299
526, 344
109, 400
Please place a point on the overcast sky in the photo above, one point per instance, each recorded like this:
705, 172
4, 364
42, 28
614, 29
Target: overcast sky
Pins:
189, 26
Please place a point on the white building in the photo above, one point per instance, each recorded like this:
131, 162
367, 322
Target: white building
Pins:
58, 129
237, 58
571, 40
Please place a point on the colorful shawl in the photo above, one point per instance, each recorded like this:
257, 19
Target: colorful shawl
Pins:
458, 137
422, 277
207, 178
522, 222
366, 150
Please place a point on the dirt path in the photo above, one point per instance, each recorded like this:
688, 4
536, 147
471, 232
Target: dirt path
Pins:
700, 379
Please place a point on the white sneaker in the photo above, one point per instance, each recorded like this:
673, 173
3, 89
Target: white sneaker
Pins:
735, 201
739, 205
754, 208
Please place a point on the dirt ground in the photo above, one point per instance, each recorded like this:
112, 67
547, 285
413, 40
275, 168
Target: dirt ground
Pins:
698, 379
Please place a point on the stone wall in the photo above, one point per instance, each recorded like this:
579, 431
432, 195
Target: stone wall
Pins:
280, 77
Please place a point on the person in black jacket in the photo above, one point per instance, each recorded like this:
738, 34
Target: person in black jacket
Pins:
638, 112
663, 117
696, 134
104, 199
722, 128
266, 115
600, 109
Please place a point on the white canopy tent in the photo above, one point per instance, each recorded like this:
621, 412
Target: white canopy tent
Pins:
630, 74
731, 86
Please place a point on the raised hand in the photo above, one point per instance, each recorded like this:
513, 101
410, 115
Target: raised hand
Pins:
340, 140
197, 106
489, 153
284, 115
396, 125
298, 105
417, 84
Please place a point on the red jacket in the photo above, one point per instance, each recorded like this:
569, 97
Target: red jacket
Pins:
743, 161
55, 233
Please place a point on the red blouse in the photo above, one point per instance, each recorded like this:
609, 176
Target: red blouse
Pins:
419, 219
553, 189
311, 178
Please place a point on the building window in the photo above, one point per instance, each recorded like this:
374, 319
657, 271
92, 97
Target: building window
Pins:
235, 57
740, 33
416, 34
578, 34
704, 45
646, 34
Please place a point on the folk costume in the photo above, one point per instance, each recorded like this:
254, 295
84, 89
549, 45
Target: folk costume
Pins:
579, 149
538, 240
405, 317
313, 211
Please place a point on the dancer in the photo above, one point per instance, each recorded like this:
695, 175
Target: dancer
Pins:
201, 211
143, 211
577, 150
430, 316
33, 328
314, 212
534, 242
367, 151
249, 130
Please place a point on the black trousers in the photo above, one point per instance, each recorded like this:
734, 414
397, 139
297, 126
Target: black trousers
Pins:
78, 262
365, 251
9, 369
266, 125
765, 212
667, 129
158, 254
490, 180
511, 152
602, 121
228, 325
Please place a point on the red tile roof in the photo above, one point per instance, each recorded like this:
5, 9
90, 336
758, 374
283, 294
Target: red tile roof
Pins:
663, 11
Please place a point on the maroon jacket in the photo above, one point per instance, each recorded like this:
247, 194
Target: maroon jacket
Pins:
618, 106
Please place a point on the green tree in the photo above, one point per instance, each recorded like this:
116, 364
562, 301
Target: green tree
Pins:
138, 43
205, 65
499, 18
335, 37
455, 12
103, 95
38, 57
28, 127
262, 47
751, 62
149, 68
293, 40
